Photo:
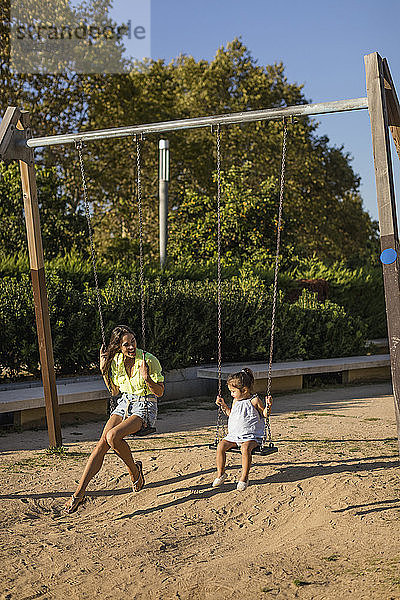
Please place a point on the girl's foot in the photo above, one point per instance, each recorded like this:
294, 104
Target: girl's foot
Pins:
73, 503
219, 480
242, 485
139, 483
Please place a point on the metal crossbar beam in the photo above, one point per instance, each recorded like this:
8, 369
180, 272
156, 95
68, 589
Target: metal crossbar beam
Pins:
299, 110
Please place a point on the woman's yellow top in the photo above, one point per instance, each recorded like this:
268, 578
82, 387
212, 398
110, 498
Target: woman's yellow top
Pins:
135, 384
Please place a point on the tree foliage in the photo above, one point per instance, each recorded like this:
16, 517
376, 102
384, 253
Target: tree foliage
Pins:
248, 220
323, 208
62, 228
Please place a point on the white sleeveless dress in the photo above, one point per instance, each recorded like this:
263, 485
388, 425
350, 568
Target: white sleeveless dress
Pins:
245, 423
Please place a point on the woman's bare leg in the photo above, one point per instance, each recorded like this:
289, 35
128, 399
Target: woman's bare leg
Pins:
222, 449
112, 437
115, 440
96, 459
246, 449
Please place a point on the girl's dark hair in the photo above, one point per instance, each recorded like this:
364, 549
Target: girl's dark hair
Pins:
114, 346
242, 379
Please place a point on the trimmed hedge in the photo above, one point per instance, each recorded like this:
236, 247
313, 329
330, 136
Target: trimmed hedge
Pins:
360, 291
180, 320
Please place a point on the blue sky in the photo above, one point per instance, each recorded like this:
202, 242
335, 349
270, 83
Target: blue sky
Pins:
321, 43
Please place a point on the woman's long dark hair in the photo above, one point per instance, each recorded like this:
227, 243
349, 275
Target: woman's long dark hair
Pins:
114, 346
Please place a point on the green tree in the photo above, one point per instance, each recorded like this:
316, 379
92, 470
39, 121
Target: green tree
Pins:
248, 220
58, 103
62, 229
323, 204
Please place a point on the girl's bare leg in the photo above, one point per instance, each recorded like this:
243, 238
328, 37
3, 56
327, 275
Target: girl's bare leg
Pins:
246, 449
222, 449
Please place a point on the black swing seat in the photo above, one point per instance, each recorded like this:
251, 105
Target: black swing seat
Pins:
144, 431
260, 450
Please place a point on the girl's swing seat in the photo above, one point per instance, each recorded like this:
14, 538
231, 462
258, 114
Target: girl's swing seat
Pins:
260, 450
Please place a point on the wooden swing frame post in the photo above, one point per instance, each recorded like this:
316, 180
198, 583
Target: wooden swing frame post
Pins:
36, 260
384, 112
16, 130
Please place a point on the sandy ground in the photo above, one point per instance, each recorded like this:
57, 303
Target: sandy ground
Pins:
319, 519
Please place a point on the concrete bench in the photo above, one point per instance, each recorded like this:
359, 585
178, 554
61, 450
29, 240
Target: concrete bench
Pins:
78, 399
86, 398
288, 376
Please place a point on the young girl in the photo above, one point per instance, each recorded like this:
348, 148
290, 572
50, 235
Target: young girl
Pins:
245, 424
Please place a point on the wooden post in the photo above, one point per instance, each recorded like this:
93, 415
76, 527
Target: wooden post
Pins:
36, 261
393, 106
378, 112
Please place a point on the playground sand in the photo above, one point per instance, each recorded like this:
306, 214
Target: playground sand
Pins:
318, 521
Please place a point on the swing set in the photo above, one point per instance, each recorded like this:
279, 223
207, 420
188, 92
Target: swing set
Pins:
267, 446
17, 143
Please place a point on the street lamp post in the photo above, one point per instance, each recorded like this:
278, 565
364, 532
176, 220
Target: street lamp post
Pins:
163, 146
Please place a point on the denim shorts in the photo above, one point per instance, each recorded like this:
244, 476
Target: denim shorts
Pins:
130, 404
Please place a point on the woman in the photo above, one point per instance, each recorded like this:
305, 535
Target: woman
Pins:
140, 381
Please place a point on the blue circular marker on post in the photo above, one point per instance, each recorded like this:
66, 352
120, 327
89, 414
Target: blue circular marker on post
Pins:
388, 256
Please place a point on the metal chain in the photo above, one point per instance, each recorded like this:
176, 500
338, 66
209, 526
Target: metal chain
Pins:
112, 403
220, 420
79, 146
219, 321
141, 273
146, 422
267, 429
